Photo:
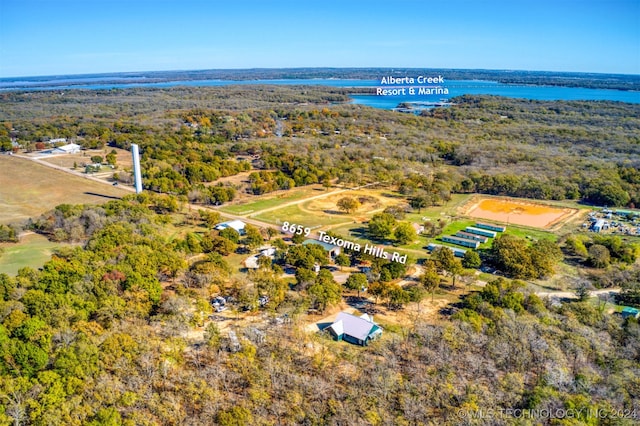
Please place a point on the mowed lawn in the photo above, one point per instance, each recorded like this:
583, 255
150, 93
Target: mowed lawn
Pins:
33, 250
28, 189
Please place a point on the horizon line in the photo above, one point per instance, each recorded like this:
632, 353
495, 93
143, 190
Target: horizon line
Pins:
398, 68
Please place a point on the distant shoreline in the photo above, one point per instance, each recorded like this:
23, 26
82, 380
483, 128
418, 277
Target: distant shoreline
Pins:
620, 82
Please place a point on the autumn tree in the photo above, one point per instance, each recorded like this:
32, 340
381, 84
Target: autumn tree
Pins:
252, 237
430, 278
599, 256
348, 204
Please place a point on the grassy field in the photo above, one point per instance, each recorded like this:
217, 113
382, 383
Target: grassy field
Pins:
33, 250
273, 200
28, 189
123, 158
295, 214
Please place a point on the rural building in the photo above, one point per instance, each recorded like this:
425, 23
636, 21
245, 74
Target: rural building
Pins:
456, 251
418, 228
57, 140
628, 213
332, 250
353, 329
600, 225
630, 312
71, 148
464, 242
491, 227
267, 251
470, 236
252, 261
238, 225
484, 232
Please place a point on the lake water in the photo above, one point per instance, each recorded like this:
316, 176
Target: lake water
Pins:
455, 88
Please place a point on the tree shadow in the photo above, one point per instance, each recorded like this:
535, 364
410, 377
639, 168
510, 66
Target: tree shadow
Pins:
95, 194
333, 212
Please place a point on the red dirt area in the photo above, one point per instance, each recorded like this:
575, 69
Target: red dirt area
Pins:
519, 212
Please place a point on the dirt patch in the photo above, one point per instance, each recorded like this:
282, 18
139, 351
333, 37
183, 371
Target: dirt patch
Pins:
329, 205
518, 212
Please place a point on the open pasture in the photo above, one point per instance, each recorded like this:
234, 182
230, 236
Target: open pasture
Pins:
28, 189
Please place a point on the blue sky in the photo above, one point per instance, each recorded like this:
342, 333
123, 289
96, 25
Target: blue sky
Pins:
56, 37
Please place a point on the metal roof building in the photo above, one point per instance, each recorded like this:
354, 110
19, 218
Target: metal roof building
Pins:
353, 329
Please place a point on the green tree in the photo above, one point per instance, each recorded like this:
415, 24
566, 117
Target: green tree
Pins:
381, 226
445, 259
397, 296
268, 283
304, 278
575, 245
193, 243
405, 233
111, 158
471, 259
545, 254
342, 260
511, 254
378, 289
298, 239
325, 291
230, 234
419, 202
271, 232
97, 159
599, 256
357, 281
212, 335
252, 237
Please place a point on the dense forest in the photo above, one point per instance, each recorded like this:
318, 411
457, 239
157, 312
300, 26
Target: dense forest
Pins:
587, 151
99, 336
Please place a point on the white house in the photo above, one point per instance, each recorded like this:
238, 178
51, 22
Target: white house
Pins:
238, 225
71, 148
353, 329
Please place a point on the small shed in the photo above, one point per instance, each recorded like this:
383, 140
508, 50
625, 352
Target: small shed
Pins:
600, 225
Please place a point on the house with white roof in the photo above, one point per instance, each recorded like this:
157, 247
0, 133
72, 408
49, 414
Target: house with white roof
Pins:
71, 148
359, 330
238, 225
